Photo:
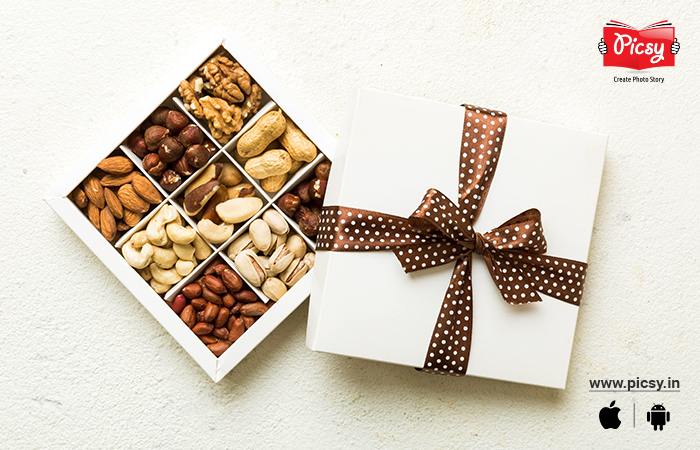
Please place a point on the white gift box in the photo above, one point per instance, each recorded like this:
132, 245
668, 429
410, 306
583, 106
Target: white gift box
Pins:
391, 150
165, 92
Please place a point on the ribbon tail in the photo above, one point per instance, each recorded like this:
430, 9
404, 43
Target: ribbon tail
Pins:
559, 278
450, 343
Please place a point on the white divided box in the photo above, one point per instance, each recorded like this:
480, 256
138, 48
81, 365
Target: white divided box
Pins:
166, 94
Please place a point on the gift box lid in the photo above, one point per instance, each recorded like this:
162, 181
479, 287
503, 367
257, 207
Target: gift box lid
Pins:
391, 150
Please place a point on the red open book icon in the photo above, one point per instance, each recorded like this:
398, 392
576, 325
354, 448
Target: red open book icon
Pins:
639, 49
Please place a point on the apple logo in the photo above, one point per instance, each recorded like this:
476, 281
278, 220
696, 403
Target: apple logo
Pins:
608, 417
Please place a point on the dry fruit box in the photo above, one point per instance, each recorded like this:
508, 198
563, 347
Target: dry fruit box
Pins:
204, 201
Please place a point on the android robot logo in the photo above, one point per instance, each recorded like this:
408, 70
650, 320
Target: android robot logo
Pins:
658, 416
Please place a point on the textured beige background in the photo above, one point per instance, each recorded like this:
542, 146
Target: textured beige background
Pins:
83, 365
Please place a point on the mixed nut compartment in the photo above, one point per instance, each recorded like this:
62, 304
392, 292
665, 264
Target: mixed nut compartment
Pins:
214, 200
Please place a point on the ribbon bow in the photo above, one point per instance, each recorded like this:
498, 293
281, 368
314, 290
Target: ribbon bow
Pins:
440, 232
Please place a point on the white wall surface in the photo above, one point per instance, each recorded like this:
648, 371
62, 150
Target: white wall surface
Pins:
83, 365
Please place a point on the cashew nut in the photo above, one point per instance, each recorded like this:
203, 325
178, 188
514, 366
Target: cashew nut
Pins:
184, 251
216, 234
156, 227
201, 248
137, 259
139, 239
165, 276
159, 287
183, 267
165, 258
180, 234
145, 273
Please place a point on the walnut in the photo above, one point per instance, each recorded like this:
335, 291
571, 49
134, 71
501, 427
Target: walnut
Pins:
224, 119
252, 102
190, 91
232, 71
221, 79
238, 73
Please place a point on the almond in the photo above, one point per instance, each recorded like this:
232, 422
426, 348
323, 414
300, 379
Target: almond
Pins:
146, 190
120, 165
113, 203
131, 200
94, 191
132, 218
93, 213
108, 225
79, 198
112, 180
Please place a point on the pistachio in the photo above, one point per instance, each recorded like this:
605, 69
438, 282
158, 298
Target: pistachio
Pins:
276, 222
274, 288
265, 264
237, 210
242, 242
296, 245
281, 259
310, 260
281, 239
260, 234
294, 272
250, 268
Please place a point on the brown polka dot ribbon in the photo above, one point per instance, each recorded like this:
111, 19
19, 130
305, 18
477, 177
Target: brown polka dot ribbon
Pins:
440, 232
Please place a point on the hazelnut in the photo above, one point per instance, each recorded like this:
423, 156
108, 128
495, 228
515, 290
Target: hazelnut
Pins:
323, 170
158, 116
184, 168
317, 189
308, 221
170, 180
153, 165
137, 144
154, 135
170, 150
190, 135
302, 191
197, 155
289, 204
211, 147
176, 121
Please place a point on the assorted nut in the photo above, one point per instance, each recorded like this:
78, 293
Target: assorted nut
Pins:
115, 196
304, 204
170, 147
222, 93
218, 307
269, 257
273, 150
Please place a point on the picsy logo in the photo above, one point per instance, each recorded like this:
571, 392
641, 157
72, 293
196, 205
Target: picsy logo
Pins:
653, 46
